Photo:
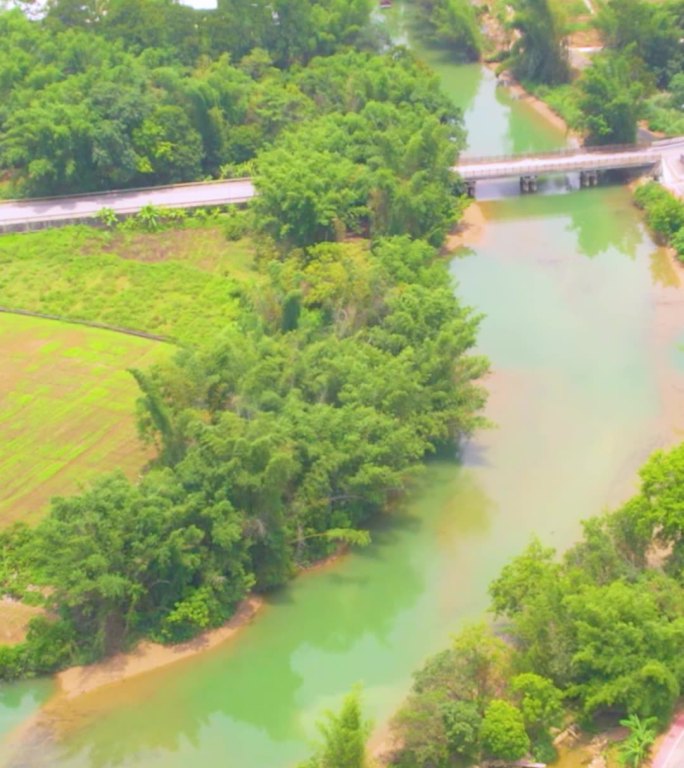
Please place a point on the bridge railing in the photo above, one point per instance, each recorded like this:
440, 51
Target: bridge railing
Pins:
551, 154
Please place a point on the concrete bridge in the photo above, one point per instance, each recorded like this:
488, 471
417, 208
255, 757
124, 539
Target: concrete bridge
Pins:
588, 161
19, 215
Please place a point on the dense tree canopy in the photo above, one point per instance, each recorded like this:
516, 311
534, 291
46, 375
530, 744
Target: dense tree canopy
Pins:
276, 440
539, 54
130, 92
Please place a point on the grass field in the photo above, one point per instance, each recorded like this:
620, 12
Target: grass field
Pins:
67, 409
182, 283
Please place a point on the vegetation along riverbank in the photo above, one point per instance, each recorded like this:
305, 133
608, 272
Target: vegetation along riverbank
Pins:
308, 389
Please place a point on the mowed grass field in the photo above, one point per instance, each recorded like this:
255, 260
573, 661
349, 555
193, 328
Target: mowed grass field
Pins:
67, 409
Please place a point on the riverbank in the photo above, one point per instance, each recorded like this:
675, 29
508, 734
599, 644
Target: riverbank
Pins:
149, 656
518, 91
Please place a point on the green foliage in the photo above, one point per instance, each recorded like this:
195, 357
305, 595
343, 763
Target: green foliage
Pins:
454, 25
49, 645
600, 630
503, 731
540, 703
611, 91
664, 215
441, 718
634, 750
344, 737
539, 54
563, 99
653, 30
132, 92
377, 166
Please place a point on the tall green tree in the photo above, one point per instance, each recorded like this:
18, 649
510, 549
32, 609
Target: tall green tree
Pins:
503, 731
344, 737
539, 54
611, 91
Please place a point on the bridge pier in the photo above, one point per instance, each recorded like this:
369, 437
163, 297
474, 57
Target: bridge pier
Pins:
528, 184
589, 178
470, 188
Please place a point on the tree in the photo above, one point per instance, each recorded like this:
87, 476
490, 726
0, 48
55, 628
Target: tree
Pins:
454, 24
422, 728
462, 722
540, 703
634, 750
539, 54
653, 32
526, 576
503, 731
344, 737
610, 94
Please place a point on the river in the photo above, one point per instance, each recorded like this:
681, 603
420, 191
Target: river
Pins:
583, 328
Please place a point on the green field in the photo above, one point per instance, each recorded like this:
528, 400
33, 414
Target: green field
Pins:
67, 403
67, 409
182, 283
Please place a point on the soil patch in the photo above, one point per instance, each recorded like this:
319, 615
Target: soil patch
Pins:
14, 619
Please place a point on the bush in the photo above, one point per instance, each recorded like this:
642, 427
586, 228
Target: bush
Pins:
12, 661
664, 212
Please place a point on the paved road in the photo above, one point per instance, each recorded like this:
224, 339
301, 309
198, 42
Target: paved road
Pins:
672, 170
671, 752
15, 213
26, 214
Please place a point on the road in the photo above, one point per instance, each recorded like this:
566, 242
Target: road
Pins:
20, 214
671, 752
33, 213
672, 168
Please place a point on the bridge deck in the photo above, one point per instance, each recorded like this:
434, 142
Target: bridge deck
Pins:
479, 170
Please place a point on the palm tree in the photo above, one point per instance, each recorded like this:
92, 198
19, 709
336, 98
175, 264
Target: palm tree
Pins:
635, 748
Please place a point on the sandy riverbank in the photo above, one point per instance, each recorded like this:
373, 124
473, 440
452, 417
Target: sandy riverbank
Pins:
148, 656
468, 231
538, 105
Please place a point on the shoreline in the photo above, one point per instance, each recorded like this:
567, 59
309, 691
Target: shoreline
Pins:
538, 105
149, 656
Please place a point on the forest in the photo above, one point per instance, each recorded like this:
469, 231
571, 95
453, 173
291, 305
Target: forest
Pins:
288, 426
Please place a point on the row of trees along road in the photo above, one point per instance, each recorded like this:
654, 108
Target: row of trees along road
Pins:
290, 429
101, 95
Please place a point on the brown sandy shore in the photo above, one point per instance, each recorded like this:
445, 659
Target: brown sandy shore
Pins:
539, 106
147, 656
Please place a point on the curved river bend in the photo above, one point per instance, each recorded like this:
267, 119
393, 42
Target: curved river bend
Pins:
582, 326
